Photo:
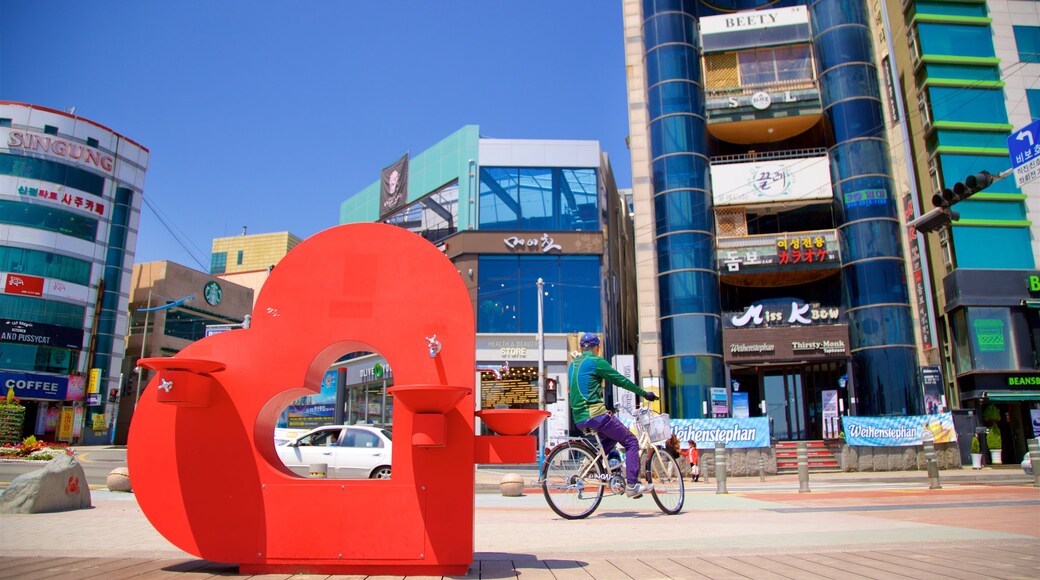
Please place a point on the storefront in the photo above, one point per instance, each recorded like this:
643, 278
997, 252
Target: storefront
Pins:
53, 406
995, 331
797, 376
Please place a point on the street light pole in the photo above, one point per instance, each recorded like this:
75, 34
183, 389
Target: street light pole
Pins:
144, 337
541, 368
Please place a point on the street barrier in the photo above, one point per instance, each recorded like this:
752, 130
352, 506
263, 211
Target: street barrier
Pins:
803, 467
931, 464
720, 468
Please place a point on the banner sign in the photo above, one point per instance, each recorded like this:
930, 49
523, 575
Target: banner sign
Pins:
393, 186
309, 416
65, 423
777, 251
41, 334
783, 312
782, 181
735, 433
34, 386
830, 414
898, 431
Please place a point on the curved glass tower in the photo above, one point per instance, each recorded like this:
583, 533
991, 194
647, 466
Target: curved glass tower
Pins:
687, 281
720, 103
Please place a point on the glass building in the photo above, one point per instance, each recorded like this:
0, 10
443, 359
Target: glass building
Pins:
509, 213
968, 71
70, 199
771, 256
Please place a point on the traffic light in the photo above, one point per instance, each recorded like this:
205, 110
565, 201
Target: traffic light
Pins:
550, 391
960, 191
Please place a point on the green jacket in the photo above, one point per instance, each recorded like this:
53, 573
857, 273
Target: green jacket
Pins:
585, 385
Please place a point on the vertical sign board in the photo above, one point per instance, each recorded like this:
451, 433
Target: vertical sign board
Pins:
830, 414
741, 410
65, 422
719, 407
932, 384
626, 365
1024, 150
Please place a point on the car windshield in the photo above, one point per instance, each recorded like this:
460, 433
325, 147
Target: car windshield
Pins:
386, 434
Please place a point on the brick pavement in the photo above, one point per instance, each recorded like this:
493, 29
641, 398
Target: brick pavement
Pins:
961, 531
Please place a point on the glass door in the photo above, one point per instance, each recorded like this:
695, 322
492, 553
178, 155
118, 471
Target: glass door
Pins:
785, 404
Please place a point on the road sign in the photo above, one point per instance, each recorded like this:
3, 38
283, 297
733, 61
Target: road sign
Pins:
1024, 149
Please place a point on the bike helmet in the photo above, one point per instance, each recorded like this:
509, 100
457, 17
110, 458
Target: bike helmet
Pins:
589, 340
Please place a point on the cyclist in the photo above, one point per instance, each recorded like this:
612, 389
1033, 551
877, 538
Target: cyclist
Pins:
585, 377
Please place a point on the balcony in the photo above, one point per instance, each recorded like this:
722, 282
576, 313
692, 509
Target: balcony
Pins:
778, 259
761, 95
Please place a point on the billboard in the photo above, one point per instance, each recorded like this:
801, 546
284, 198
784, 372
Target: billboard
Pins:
779, 181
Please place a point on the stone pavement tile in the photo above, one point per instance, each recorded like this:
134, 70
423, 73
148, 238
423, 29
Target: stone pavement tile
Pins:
606, 570
567, 569
883, 564
943, 568
495, 569
749, 566
709, 569
34, 567
532, 570
776, 564
996, 568
805, 567
835, 561
1011, 553
669, 568
183, 569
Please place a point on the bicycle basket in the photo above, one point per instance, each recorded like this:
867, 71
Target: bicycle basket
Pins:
657, 426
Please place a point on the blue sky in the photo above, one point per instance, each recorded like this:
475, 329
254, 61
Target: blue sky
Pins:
269, 114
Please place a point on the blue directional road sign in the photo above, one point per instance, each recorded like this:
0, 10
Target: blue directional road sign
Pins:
1024, 149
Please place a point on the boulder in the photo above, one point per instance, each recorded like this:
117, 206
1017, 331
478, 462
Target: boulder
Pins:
118, 479
59, 486
512, 485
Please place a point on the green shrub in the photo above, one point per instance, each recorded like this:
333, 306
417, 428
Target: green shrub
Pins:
993, 439
975, 447
990, 415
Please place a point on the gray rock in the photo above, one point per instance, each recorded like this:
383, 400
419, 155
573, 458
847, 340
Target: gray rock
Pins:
118, 479
59, 486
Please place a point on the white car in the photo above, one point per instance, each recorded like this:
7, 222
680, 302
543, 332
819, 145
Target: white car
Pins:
349, 451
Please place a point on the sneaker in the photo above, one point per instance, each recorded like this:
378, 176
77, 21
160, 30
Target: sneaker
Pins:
636, 490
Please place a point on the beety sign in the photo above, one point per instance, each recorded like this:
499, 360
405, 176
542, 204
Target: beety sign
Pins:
22, 284
40, 334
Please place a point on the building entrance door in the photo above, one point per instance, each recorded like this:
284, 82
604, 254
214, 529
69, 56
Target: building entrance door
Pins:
785, 403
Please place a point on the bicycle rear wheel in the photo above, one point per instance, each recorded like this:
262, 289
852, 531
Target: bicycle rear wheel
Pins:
568, 494
669, 491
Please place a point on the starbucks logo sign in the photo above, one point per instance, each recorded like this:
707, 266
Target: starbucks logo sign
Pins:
213, 293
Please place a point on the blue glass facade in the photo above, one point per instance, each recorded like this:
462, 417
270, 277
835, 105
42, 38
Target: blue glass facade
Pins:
687, 281
873, 282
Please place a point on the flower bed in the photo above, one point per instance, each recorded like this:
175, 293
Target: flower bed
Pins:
33, 450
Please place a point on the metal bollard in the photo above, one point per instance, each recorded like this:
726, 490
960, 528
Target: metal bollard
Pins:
1034, 458
720, 467
319, 470
707, 468
803, 467
761, 467
931, 464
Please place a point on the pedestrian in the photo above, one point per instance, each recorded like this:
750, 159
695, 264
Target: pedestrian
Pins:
694, 458
585, 395
672, 447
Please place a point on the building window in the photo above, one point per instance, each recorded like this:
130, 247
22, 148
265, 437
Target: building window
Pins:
238, 259
1027, 39
218, 263
50, 219
187, 325
1033, 98
434, 217
538, 199
33, 309
92, 142
50, 129
5, 122
52, 171
507, 297
983, 340
775, 65
44, 265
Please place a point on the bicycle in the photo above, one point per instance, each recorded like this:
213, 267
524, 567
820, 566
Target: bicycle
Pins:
577, 473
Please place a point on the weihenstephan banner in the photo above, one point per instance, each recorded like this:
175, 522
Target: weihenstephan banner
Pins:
393, 187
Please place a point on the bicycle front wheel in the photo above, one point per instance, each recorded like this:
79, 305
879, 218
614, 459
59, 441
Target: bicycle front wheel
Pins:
669, 491
572, 481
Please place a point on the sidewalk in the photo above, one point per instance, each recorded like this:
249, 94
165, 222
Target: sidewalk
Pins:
758, 530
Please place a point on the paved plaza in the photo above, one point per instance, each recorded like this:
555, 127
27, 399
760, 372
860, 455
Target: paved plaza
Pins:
850, 526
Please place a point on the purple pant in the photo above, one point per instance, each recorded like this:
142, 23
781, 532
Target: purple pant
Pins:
611, 432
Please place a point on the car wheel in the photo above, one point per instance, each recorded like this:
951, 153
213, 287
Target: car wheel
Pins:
381, 473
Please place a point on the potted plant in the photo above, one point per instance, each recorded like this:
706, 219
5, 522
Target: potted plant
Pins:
994, 441
976, 454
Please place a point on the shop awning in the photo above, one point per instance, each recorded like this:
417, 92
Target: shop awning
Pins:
1002, 396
